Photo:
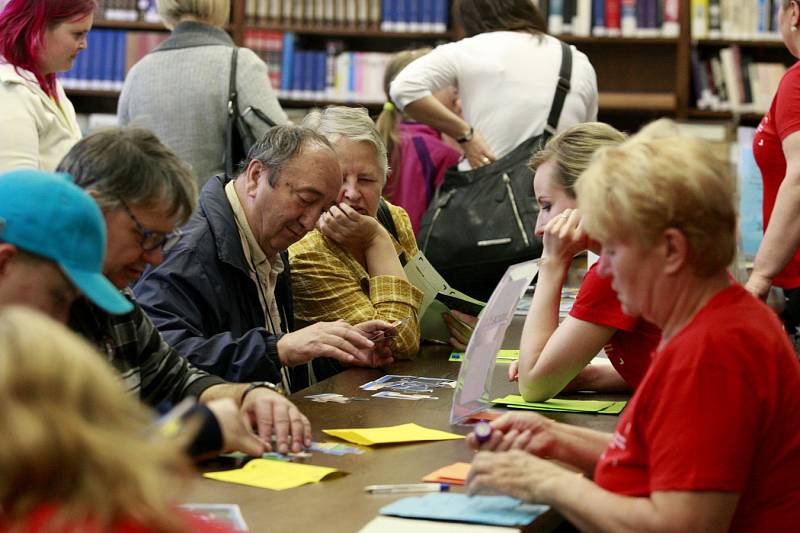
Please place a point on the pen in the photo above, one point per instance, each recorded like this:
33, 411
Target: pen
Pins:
401, 488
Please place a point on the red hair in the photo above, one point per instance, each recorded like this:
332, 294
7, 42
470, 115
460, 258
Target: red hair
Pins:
23, 24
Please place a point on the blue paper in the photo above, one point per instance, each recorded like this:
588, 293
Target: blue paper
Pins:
492, 510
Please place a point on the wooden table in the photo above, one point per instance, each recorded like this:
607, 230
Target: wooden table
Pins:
340, 504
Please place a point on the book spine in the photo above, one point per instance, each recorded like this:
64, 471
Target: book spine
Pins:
699, 19
599, 18
287, 65
628, 17
613, 17
555, 17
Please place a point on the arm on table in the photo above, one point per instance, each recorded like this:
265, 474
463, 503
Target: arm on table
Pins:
592, 508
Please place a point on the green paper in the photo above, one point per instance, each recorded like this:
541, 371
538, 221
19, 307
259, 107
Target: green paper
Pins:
515, 401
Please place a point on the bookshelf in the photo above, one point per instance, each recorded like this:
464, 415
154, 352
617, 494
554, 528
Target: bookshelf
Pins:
640, 77
737, 58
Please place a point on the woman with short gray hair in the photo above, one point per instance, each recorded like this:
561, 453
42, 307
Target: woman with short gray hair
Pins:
350, 266
180, 89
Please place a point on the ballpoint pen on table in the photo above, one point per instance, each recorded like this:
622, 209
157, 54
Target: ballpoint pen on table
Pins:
400, 488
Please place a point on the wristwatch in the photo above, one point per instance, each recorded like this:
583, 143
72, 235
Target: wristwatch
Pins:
467, 136
257, 385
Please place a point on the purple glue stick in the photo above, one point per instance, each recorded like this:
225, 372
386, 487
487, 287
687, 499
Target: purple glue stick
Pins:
483, 431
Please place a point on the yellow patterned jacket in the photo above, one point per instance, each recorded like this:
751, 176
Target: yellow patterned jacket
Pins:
328, 284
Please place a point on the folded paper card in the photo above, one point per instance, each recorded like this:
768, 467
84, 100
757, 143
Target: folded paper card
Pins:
454, 474
388, 435
504, 357
564, 406
493, 510
275, 475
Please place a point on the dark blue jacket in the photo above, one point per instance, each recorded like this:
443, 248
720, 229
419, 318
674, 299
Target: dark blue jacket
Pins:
206, 306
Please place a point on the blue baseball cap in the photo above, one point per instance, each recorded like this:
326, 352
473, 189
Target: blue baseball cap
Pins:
45, 214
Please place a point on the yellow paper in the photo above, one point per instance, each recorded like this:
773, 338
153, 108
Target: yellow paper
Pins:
455, 474
387, 435
275, 475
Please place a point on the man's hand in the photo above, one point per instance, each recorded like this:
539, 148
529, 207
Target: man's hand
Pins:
235, 427
477, 151
461, 326
337, 340
514, 473
529, 432
272, 414
347, 227
382, 334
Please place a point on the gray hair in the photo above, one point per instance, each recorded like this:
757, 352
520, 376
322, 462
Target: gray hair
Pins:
353, 123
214, 12
132, 165
280, 145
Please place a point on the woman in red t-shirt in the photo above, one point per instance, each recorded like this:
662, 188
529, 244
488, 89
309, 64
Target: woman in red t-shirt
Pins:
709, 441
776, 147
79, 454
553, 356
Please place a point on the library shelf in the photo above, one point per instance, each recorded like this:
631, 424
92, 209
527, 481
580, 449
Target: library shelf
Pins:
637, 101
577, 40
748, 117
93, 93
138, 25
350, 31
750, 43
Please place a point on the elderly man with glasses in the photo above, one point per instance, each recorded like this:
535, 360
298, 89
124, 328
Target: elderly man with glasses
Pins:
144, 192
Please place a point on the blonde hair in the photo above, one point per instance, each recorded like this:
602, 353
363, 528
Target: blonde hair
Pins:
353, 123
389, 118
660, 179
573, 149
73, 436
214, 12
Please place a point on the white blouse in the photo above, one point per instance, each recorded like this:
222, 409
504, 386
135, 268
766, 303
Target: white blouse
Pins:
506, 81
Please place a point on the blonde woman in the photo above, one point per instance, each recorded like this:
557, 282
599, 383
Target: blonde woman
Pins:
709, 441
78, 453
179, 91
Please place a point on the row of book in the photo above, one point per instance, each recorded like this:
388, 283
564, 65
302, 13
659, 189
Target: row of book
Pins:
733, 81
333, 74
430, 16
613, 18
128, 10
736, 19
108, 57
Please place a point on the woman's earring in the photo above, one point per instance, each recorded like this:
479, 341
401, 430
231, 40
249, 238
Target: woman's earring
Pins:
793, 28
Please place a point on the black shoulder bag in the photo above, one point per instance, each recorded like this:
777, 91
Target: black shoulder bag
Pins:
482, 221
239, 137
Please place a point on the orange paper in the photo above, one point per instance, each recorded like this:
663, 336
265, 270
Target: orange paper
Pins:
454, 474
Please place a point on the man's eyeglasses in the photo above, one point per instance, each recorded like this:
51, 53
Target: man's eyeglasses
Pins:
152, 239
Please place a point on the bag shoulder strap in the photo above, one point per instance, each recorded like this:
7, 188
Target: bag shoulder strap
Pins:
562, 89
233, 103
386, 220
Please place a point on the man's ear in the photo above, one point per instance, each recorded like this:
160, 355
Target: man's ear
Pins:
252, 175
7, 253
676, 250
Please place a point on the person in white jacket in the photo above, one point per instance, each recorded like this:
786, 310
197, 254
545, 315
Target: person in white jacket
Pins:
506, 70
38, 39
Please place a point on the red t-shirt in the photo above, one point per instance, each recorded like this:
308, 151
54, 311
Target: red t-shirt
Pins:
40, 520
718, 412
630, 347
782, 120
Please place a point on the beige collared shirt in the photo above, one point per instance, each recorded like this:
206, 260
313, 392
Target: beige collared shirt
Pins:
264, 271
